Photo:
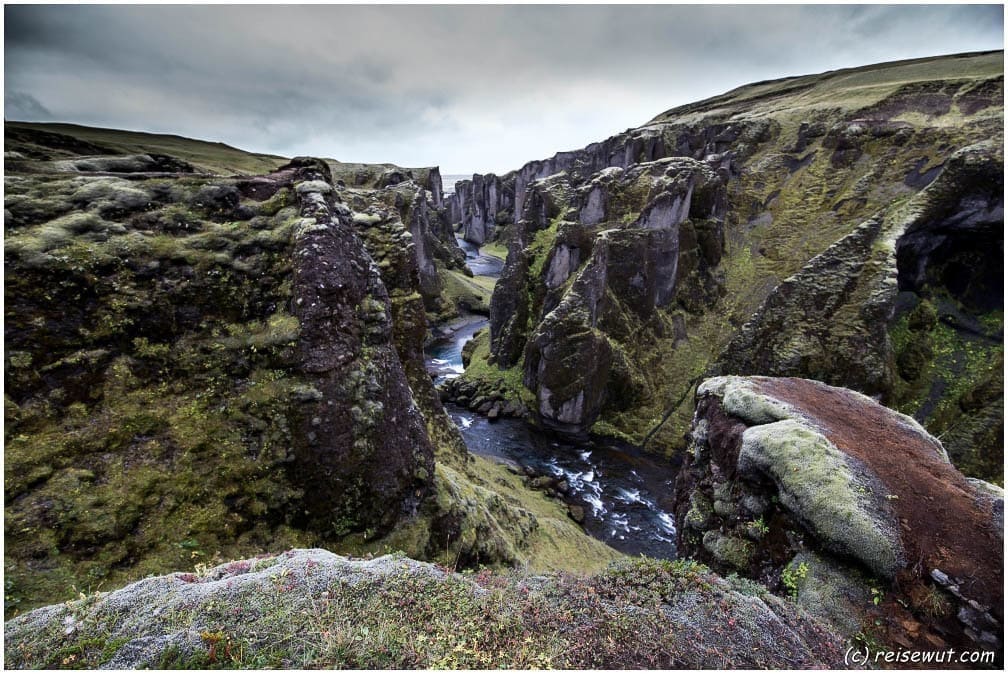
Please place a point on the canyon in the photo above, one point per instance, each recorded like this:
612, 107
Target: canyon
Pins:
763, 332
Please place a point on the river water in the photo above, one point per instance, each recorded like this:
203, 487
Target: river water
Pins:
626, 494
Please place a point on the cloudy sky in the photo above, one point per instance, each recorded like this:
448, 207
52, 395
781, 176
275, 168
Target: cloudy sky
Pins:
469, 88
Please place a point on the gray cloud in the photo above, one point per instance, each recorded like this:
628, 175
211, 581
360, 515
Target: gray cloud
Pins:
19, 105
466, 87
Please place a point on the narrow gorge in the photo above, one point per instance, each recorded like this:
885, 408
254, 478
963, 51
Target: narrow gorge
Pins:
729, 382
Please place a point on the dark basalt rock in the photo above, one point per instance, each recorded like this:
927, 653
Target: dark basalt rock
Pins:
364, 458
952, 245
632, 228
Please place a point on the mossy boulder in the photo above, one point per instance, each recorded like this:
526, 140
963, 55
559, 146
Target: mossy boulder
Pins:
824, 473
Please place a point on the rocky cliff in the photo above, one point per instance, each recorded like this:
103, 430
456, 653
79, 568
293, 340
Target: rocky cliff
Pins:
202, 367
851, 508
790, 227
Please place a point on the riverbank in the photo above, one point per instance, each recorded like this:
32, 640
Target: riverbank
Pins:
618, 494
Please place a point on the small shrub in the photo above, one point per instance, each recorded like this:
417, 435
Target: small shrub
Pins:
792, 575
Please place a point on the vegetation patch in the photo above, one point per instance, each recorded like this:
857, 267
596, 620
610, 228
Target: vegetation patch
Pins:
312, 609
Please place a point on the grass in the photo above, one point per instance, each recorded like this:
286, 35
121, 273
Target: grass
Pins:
206, 156
471, 292
509, 381
494, 249
146, 339
851, 88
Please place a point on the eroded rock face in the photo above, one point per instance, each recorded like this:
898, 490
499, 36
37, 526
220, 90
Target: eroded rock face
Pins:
235, 334
868, 313
408, 215
783, 471
826, 322
635, 229
806, 263
947, 328
364, 459
480, 205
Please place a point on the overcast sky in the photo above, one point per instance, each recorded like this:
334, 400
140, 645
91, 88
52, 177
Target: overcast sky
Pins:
469, 88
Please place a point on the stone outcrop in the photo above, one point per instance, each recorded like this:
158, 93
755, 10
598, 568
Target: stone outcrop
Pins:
364, 438
311, 608
199, 365
861, 313
381, 176
611, 254
408, 215
234, 334
790, 477
480, 205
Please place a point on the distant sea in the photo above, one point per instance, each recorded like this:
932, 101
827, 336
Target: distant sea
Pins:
448, 181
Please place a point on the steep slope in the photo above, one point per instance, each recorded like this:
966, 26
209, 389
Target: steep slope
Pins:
802, 178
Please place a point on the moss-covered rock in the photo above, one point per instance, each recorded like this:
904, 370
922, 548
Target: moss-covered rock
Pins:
729, 551
249, 358
834, 593
580, 291
311, 608
839, 492
838, 498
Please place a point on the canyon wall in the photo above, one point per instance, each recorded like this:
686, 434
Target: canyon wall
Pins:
802, 242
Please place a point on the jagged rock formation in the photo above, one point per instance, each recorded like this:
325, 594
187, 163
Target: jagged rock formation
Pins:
637, 233
232, 333
807, 259
408, 212
480, 206
202, 366
310, 608
362, 437
791, 477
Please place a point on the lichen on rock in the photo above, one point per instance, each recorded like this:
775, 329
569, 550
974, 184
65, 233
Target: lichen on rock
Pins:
826, 477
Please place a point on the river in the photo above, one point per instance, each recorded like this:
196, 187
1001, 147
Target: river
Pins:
626, 494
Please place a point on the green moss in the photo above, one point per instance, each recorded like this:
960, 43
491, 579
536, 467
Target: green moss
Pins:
494, 249
509, 381
817, 484
952, 382
282, 199
700, 512
151, 346
471, 293
542, 244
315, 611
836, 594
729, 550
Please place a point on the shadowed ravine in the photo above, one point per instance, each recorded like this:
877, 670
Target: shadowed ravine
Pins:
625, 494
